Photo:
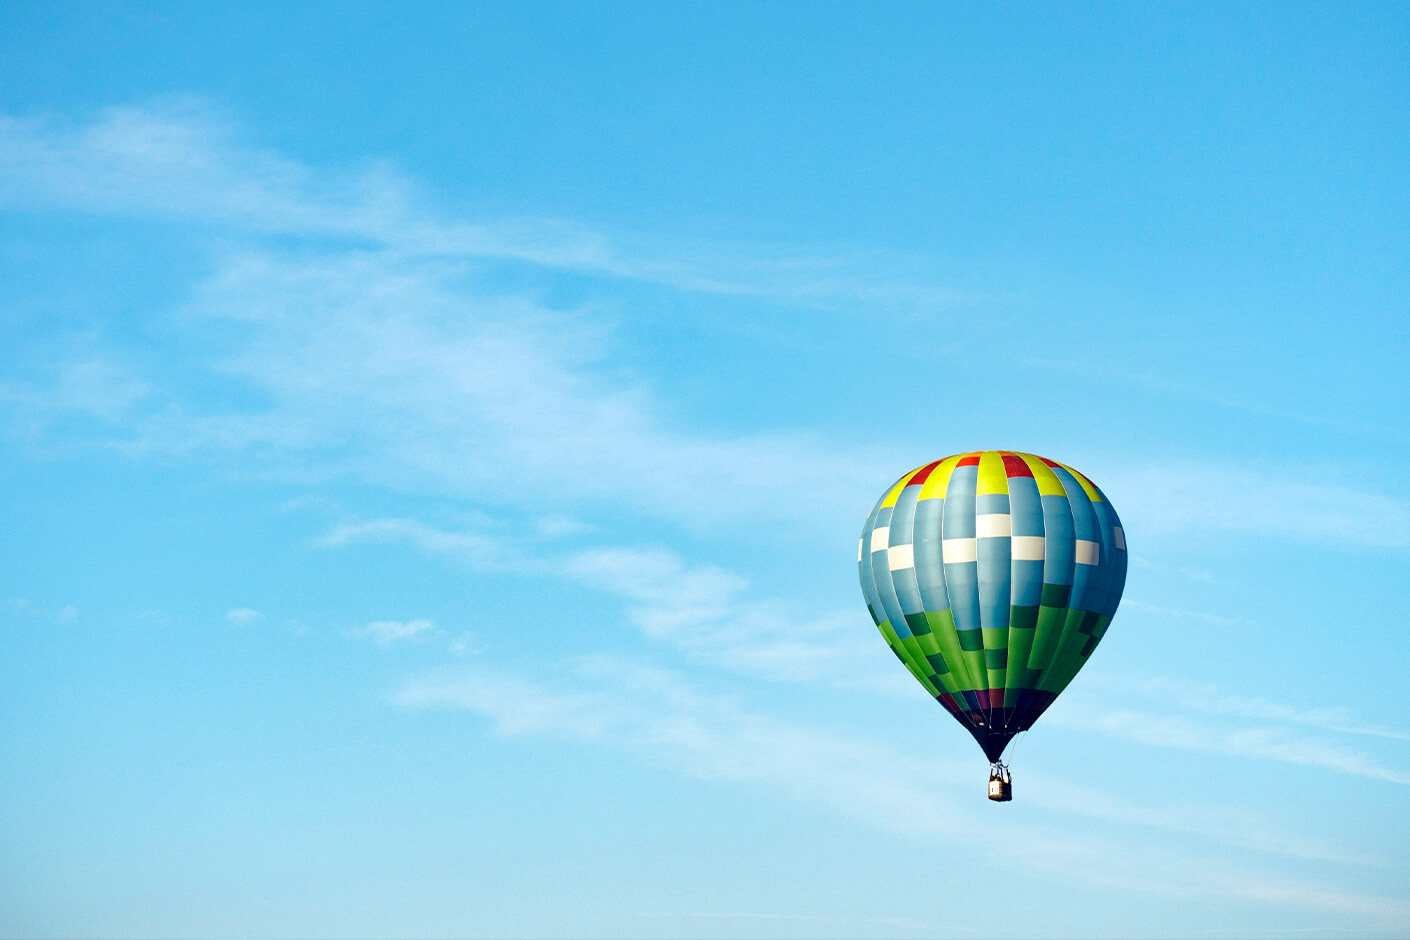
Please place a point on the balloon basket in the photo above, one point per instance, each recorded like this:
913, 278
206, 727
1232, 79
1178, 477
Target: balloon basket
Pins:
1000, 784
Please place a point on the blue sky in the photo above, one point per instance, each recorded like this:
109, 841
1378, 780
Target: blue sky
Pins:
435, 440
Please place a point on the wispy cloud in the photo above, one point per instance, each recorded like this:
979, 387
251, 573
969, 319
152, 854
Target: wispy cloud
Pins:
389, 369
25, 607
382, 358
1202, 697
1194, 574
1174, 389
1182, 614
482, 551
658, 717
243, 616
1179, 497
387, 632
702, 609
184, 160
1266, 742
708, 612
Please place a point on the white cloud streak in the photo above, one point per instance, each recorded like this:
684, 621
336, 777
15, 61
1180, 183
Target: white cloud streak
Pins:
707, 612
385, 369
377, 359
656, 716
387, 632
1181, 497
1182, 614
185, 161
1184, 733
704, 610
378, 362
1206, 698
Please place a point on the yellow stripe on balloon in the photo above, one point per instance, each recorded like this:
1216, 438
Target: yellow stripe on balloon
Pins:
895, 492
939, 480
1092, 492
992, 478
1048, 482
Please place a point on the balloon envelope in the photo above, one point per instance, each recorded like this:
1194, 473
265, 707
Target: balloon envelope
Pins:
993, 575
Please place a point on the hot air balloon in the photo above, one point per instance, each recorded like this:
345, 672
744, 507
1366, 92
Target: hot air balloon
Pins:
993, 575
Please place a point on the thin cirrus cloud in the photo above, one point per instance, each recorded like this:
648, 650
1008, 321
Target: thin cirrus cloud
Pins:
381, 359
243, 616
184, 160
392, 370
1193, 696
387, 632
1181, 613
657, 716
1181, 497
704, 610
708, 613
1264, 742
386, 364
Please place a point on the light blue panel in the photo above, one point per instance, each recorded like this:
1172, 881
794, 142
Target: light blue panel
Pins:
864, 571
907, 590
1084, 526
1026, 512
1057, 526
903, 516
962, 585
1027, 585
1103, 577
885, 588
1118, 563
959, 504
902, 532
962, 579
991, 502
930, 578
1025, 506
995, 571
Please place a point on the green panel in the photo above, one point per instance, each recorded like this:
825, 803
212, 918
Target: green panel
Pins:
947, 682
1055, 595
928, 644
919, 668
1020, 642
917, 623
972, 643
1046, 634
942, 628
889, 632
1079, 649
1023, 618
1065, 661
916, 655
1023, 622
975, 660
996, 656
